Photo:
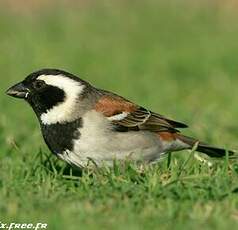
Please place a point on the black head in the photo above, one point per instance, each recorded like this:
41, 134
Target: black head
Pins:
49, 89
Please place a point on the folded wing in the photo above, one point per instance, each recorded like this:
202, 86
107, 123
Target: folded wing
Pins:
130, 116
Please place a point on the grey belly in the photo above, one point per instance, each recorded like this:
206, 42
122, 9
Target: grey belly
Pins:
104, 149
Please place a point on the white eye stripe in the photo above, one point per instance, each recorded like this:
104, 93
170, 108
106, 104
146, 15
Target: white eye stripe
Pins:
65, 111
59, 81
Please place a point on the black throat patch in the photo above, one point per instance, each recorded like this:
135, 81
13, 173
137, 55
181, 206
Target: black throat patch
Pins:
60, 137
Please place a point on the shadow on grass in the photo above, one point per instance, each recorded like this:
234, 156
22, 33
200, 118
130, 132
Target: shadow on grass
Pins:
54, 165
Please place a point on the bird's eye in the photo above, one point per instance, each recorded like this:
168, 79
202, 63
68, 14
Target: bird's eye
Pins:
38, 84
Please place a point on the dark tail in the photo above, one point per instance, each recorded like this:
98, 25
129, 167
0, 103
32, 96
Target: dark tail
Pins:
205, 148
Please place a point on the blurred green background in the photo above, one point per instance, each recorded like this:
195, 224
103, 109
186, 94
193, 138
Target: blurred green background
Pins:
176, 57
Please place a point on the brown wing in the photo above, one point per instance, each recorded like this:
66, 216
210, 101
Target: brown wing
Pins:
130, 116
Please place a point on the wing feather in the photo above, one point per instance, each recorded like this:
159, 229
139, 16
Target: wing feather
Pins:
122, 112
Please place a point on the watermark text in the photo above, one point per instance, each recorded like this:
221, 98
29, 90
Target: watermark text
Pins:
10, 226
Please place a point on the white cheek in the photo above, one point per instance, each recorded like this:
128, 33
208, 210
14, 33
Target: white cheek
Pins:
65, 111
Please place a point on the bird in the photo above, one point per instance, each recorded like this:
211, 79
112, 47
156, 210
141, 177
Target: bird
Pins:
81, 123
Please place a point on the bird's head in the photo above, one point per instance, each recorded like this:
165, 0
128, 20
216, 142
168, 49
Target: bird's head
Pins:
53, 94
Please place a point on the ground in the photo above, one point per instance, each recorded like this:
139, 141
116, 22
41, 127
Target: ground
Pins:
177, 58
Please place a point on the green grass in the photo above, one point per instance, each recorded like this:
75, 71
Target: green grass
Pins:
175, 58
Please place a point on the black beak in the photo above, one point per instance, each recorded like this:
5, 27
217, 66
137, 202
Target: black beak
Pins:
18, 91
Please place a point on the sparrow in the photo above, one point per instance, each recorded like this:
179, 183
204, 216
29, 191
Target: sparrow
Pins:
80, 122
